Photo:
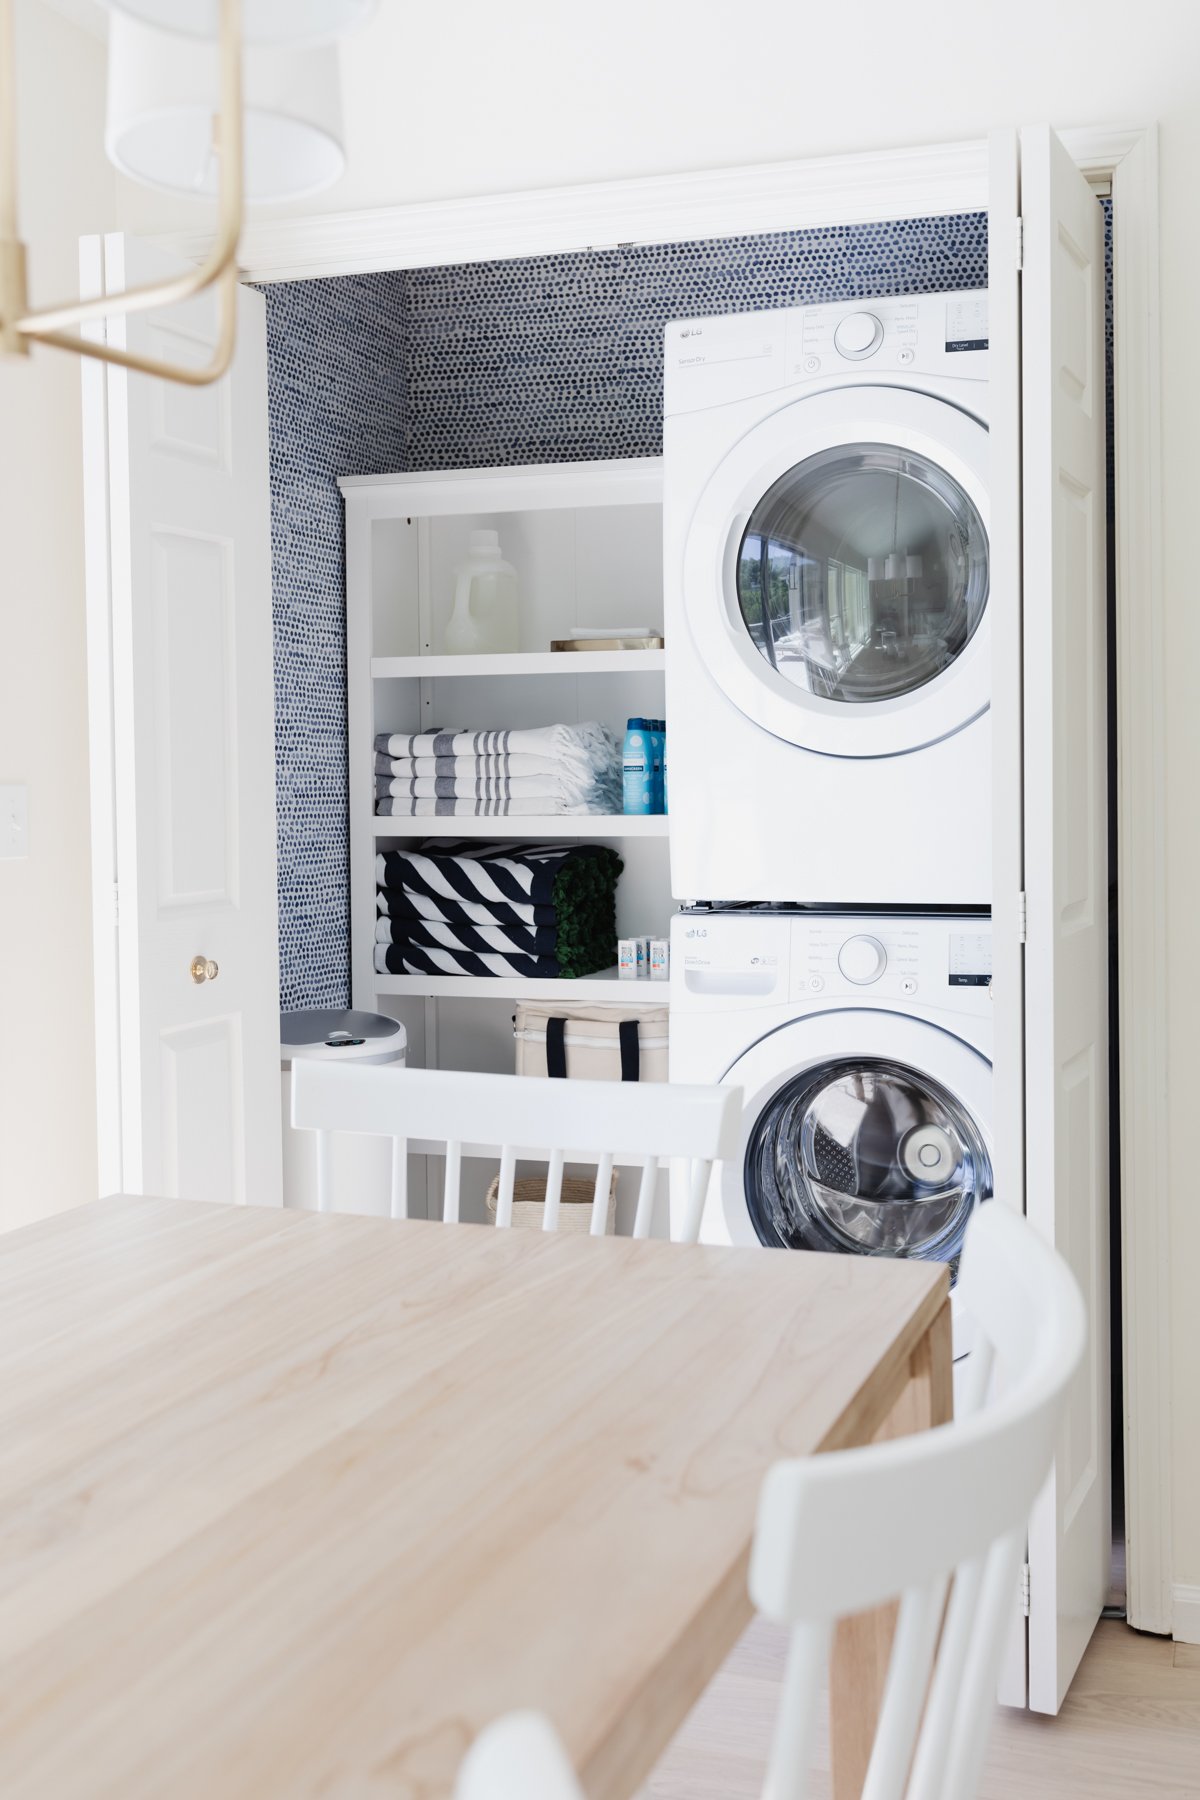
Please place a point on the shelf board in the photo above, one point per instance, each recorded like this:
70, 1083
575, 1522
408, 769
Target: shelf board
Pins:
606, 987
536, 828
521, 662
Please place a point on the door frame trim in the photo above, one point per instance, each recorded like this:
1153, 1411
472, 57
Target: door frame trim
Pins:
1142, 884
906, 183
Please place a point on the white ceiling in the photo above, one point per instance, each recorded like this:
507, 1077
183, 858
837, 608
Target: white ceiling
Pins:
468, 97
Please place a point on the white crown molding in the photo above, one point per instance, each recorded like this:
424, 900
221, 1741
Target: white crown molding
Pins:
909, 183
650, 209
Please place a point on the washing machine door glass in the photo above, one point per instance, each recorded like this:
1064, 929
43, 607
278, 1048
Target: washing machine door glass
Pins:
869, 1157
835, 572
863, 573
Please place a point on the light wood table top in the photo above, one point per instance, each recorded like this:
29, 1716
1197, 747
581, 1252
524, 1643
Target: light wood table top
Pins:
293, 1505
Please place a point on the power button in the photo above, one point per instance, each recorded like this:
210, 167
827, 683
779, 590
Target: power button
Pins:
812, 365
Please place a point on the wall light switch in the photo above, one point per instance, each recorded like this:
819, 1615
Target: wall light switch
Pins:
14, 820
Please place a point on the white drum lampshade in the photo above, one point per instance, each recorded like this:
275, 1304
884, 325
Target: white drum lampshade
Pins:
163, 96
263, 21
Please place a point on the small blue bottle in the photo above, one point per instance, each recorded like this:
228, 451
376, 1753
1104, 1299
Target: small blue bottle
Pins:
637, 768
663, 724
655, 735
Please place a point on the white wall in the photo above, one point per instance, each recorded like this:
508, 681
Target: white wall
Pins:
47, 1098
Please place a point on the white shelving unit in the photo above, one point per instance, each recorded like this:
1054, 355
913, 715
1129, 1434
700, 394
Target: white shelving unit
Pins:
586, 540
607, 988
532, 827
533, 662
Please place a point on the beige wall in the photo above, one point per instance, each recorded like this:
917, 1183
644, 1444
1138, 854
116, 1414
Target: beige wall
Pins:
482, 98
47, 1100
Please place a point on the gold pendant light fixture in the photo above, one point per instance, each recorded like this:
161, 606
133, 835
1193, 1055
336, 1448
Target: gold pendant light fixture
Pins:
190, 111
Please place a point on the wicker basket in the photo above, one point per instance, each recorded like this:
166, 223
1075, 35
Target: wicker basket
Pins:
575, 1213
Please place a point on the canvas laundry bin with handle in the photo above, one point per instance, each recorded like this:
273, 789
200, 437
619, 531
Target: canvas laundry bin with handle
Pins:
592, 1043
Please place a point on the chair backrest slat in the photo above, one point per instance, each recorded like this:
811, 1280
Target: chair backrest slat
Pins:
324, 1172
554, 1181
452, 1191
647, 1189
508, 1175
399, 1178
600, 1194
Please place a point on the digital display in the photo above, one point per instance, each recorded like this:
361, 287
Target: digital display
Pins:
970, 959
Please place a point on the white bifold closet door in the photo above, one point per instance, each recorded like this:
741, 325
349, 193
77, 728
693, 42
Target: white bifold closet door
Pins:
1051, 904
182, 736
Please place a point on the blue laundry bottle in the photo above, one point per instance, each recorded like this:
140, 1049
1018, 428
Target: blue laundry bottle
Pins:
637, 768
663, 723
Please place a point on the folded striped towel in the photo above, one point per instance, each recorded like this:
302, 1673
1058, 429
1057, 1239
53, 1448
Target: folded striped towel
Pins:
472, 809
398, 903
473, 787
404, 768
410, 959
542, 909
519, 876
526, 940
588, 742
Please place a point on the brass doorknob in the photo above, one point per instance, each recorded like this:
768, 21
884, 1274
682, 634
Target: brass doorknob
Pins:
203, 968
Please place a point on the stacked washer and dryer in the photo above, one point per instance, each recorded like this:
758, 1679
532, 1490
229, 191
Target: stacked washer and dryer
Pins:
828, 685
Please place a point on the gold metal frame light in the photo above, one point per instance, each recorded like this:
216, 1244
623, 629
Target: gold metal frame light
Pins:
19, 328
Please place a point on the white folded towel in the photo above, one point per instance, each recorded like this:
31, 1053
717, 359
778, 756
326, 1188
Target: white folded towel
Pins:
477, 787
406, 768
471, 809
588, 743
584, 773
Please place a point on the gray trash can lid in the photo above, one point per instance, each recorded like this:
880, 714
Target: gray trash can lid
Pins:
328, 1031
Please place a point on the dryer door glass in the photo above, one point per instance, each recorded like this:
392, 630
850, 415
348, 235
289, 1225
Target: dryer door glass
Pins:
863, 573
867, 1157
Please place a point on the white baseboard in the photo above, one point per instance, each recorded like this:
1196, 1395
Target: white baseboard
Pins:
1185, 1614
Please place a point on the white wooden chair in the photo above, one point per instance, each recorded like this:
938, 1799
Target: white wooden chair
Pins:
527, 1117
940, 1514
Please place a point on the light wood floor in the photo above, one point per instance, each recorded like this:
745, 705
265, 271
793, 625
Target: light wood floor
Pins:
1130, 1729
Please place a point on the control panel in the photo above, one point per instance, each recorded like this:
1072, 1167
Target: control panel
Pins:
710, 361
937, 333
836, 955
920, 959
741, 959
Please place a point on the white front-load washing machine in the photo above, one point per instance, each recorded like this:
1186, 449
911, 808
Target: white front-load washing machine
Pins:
862, 1046
826, 570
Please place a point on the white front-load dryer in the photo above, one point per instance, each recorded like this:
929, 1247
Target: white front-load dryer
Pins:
826, 570
862, 1046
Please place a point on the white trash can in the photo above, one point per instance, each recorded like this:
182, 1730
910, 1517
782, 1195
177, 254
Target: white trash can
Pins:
362, 1166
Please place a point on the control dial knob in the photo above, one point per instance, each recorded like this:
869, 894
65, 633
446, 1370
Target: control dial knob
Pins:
862, 960
857, 335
